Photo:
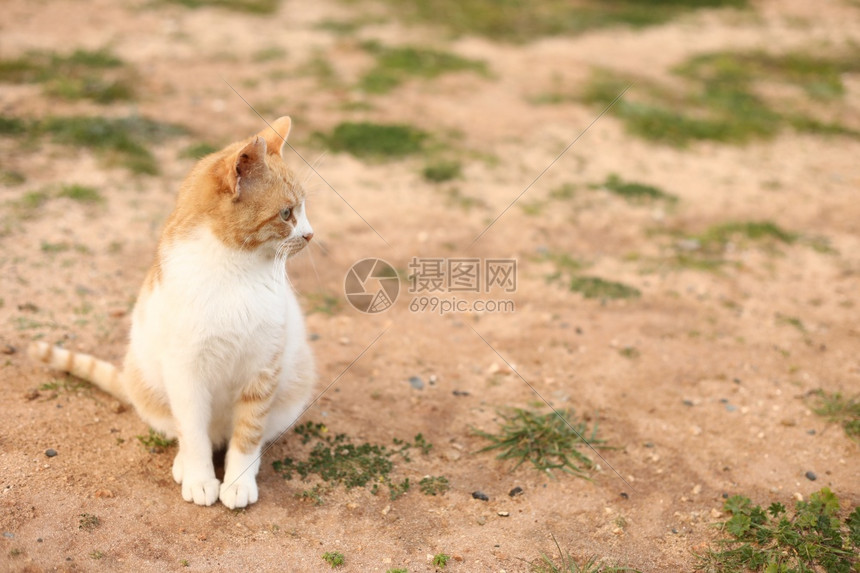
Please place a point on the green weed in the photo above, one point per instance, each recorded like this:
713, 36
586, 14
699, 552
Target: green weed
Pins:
96, 554
12, 125
567, 564
395, 65
81, 193
11, 178
269, 54
465, 202
248, 6
549, 441
96, 75
813, 539
517, 21
373, 140
440, 560
198, 150
333, 558
635, 192
88, 522
323, 303
336, 460
838, 409
398, 570
442, 170
596, 287
156, 441
433, 485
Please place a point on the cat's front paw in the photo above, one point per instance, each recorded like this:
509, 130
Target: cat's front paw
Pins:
241, 493
200, 491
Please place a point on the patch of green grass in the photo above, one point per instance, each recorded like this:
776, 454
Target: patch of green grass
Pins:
333, 558
156, 441
336, 460
184, 563
88, 522
198, 150
11, 178
122, 141
813, 539
81, 193
374, 140
716, 237
440, 560
442, 170
248, 6
518, 21
60, 247
394, 65
546, 440
630, 352
567, 564
462, 201
635, 192
28, 205
12, 125
433, 485
323, 303
596, 287
838, 409
97, 75
96, 554
398, 570
269, 54
721, 99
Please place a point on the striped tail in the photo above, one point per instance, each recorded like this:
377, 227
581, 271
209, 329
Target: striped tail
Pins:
103, 374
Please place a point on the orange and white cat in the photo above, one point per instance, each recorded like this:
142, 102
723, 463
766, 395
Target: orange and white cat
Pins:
218, 353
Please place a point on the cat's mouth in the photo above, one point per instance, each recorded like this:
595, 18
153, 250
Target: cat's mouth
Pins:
291, 247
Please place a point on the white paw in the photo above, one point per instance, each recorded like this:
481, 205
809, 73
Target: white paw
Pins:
239, 494
177, 469
201, 491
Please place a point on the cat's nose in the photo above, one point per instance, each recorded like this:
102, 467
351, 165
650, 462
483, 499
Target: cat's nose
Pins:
307, 237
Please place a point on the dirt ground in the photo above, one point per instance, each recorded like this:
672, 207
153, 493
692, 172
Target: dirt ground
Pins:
711, 402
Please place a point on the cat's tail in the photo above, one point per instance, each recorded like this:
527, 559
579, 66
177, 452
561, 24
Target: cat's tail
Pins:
103, 374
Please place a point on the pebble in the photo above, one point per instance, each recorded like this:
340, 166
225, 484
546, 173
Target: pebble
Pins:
9, 349
460, 393
730, 408
687, 403
624, 495
504, 513
432, 379
8, 535
811, 476
313, 336
416, 383
810, 432
516, 491
480, 495
31, 394
50, 452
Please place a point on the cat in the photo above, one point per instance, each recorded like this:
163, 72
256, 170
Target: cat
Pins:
217, 352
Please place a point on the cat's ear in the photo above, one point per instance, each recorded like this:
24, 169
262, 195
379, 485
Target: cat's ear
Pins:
248, 163
276, 134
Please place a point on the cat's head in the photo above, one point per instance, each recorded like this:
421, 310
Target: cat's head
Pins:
258, 202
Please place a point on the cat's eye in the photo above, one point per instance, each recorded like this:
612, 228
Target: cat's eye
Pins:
285, 213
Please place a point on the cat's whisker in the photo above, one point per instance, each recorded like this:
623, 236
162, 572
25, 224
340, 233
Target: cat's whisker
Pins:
313, 264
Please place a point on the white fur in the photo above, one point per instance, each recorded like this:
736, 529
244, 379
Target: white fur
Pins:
215, 320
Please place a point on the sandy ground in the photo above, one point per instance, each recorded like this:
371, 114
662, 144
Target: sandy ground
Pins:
712, 405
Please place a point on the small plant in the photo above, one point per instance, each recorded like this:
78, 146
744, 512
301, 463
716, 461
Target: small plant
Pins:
394, 65
546, 564
838, 409
441, 171
333, 558
440, 560
813, 539
81, 193
198, 150
184, 563
632, 191
88, 522
629, 352
549, 441
96, 554
373, 140
595, 287
399, 570
434, 485
249, 6
156, 441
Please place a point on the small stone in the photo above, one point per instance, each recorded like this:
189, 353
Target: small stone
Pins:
460, 393
104, 493
458, 558
344, 340
811, 476
50, 452
432, 379
386, 509
798, 496
117, 407
731, 408
9, 349
624, 495
810, 432
481, 520
516, 491
31, 394
504, 514
697, 489
480, 495
313, 336
8, 535
416, 383
39, 540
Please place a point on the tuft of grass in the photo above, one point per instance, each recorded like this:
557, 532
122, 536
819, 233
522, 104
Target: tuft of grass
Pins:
630, 352
717, 237
12, 125
394, 65
96, 75
440, 560
247, 6
118, 140
374, 140
442, 170
323, 303
336, 460
517, 21
838, 409
198, 150
11, 178
596, 287
269, 54
549, 441
813, 539
333, 558
433, 485
88, 521
635, 192
96, 554
398, 570
156, 442
567, 564
81, 193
